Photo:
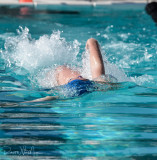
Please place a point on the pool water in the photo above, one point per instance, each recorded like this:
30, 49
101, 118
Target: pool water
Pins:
116, 124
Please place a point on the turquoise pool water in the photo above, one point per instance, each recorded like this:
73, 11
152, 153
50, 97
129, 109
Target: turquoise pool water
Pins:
117, 124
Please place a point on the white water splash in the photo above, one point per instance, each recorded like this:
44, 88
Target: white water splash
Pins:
143, 80
47, 51
40, 57
36, 56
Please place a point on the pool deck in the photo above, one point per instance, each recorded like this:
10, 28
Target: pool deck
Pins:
70, 2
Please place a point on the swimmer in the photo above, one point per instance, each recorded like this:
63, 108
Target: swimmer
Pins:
72, 79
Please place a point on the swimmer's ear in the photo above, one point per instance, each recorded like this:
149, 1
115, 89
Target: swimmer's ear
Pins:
48, 98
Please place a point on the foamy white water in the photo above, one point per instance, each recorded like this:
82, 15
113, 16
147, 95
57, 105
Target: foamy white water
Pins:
40, 57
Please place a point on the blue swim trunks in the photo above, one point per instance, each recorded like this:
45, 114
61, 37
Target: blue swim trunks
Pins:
78, 87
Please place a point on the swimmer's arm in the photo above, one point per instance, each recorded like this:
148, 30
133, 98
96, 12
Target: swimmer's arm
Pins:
47, 98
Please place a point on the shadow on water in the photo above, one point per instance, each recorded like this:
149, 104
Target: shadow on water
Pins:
83, 127
30, 130
25, 11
